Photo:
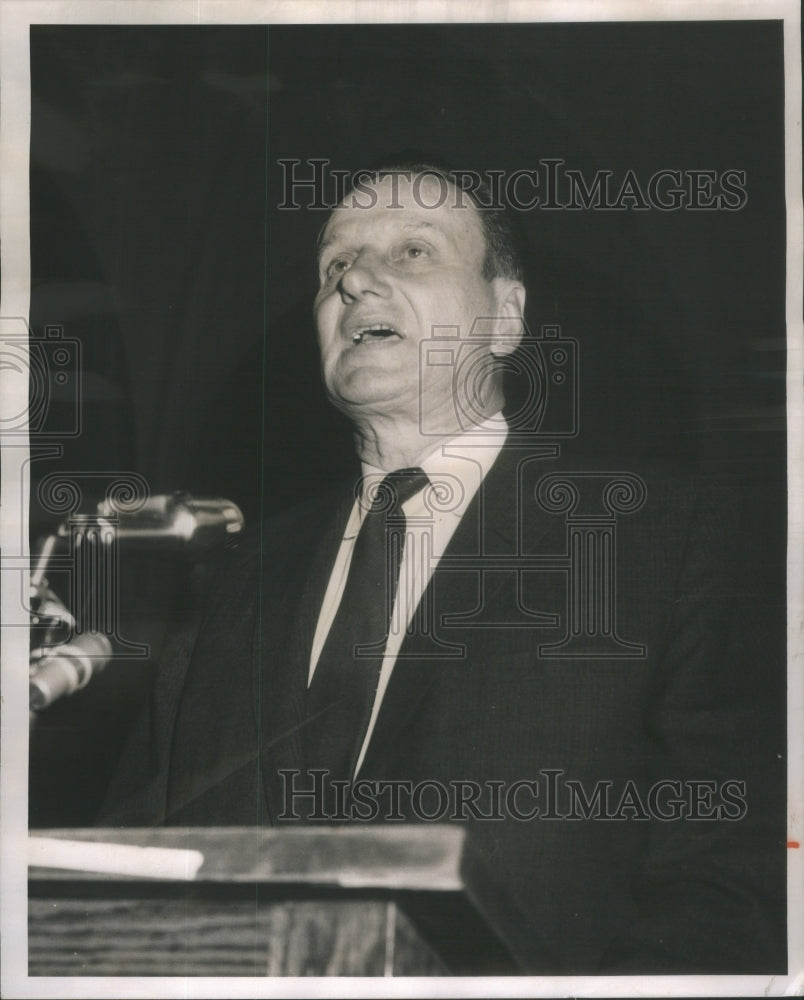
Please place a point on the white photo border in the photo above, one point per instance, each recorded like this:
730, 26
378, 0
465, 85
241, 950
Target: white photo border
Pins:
16, 16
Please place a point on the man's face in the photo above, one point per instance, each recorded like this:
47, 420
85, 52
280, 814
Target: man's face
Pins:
391, 273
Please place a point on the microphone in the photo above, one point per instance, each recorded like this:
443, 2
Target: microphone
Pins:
196, 523
176, 519
62, 670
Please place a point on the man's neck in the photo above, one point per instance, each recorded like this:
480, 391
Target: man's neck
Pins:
395, 447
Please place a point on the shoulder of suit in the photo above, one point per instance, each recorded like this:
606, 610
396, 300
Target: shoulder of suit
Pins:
664, 481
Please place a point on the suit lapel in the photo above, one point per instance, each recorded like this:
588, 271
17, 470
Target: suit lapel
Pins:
492, 525
282, 646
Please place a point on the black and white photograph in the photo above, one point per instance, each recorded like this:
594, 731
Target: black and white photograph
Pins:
401, 445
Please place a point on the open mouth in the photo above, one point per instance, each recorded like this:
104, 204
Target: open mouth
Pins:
376, 334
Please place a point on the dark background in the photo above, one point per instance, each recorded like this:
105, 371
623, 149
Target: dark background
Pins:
157, 243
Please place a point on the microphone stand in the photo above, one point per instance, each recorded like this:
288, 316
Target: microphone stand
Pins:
67, 658
71, 654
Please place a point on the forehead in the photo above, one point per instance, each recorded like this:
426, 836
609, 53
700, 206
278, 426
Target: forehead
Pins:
401, 203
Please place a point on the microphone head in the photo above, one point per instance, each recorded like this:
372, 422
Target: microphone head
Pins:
197, 523
60, 671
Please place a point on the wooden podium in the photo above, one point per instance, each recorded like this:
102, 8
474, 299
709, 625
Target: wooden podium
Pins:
257, 902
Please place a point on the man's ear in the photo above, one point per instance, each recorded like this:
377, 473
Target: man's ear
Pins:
509, 318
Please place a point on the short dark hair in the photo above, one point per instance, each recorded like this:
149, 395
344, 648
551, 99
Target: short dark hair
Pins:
505, 242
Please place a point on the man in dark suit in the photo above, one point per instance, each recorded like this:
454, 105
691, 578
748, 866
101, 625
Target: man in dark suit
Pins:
481, 631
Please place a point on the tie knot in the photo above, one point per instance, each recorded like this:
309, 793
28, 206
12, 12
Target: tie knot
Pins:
396, 489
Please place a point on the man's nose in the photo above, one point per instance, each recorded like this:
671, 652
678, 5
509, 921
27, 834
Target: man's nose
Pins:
366, 276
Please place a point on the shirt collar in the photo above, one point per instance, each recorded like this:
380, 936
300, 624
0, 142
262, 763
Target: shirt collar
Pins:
461, 464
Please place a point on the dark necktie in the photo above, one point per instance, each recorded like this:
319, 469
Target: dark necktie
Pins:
341, 695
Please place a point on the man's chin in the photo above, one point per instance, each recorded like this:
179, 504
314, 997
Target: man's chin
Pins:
370, 392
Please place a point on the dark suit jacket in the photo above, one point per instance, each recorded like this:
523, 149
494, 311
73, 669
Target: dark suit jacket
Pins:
634, 893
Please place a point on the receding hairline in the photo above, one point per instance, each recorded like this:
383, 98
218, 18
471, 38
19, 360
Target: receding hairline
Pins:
365, 183
501, 233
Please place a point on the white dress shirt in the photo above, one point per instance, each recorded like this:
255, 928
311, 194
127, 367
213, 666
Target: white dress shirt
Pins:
455, 470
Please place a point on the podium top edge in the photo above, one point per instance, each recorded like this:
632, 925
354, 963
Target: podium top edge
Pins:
413, 858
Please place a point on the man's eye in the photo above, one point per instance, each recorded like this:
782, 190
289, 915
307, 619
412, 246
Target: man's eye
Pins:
337, 266
413, 251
